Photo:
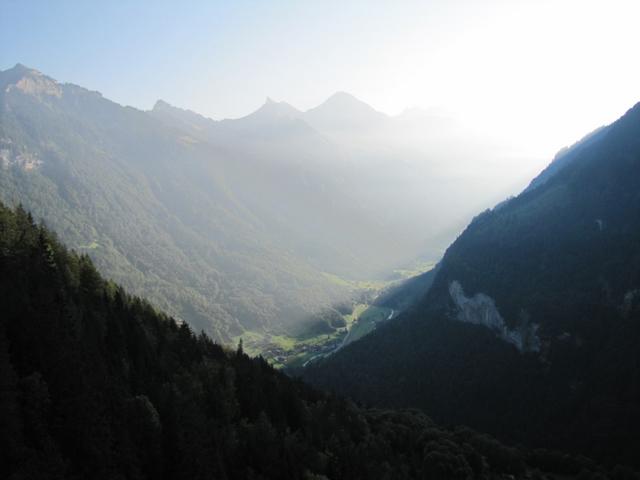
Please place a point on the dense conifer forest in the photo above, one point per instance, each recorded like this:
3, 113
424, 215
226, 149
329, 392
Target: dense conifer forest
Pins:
95, 383
319, 240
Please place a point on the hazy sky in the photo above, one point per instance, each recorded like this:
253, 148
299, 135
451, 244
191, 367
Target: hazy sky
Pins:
541, 73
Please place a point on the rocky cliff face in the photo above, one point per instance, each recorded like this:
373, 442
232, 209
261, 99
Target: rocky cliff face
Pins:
481, 310
30, 82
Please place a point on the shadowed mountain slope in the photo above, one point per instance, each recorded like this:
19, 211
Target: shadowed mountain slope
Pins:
97, 384
531, 325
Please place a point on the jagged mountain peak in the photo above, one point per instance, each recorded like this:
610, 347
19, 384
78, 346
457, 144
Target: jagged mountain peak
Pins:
345, 102
23, 69
164, 107
18, 72
29, 81
277, 109
343, 111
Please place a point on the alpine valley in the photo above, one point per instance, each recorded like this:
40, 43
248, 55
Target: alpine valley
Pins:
258, 226
272, 296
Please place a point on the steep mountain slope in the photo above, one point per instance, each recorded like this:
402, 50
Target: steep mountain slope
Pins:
391, 169
406, 293
158, 210
530, 328
97, 384
241, 224
288, 172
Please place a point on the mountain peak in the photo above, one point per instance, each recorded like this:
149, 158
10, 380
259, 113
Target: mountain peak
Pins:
29, 81
19, 71
344, 111
271, 109
345, 100
342, 96
162, 105
20, 68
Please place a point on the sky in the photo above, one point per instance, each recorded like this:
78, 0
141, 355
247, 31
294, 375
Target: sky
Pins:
539, 74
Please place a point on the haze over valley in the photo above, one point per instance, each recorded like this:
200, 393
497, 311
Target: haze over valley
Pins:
255, 224
319, 240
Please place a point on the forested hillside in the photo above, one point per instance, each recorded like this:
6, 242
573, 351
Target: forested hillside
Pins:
254, 224
95, 383
157, 210
530, 328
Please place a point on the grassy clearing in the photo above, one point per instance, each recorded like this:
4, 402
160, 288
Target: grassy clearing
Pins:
414, 270
290, 351
367, 321
251, 342
356, 285
283, 350
358, 310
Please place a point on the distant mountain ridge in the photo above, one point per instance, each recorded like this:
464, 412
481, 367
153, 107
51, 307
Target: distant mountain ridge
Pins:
157, 209
339, 109
339, 113
235, 225
343, 111
229, 225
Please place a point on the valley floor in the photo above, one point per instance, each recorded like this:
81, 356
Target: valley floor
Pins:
295, 351
284, 351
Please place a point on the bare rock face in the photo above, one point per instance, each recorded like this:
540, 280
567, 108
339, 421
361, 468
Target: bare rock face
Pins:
481, 310
36, 84
12, 156
27, 81
630, 300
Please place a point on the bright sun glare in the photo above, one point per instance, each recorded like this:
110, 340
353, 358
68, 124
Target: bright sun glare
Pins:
538, 74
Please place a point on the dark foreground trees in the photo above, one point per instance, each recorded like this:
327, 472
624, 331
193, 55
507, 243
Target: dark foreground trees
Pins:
96, 384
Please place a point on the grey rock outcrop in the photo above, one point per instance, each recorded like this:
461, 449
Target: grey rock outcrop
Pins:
481, 310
